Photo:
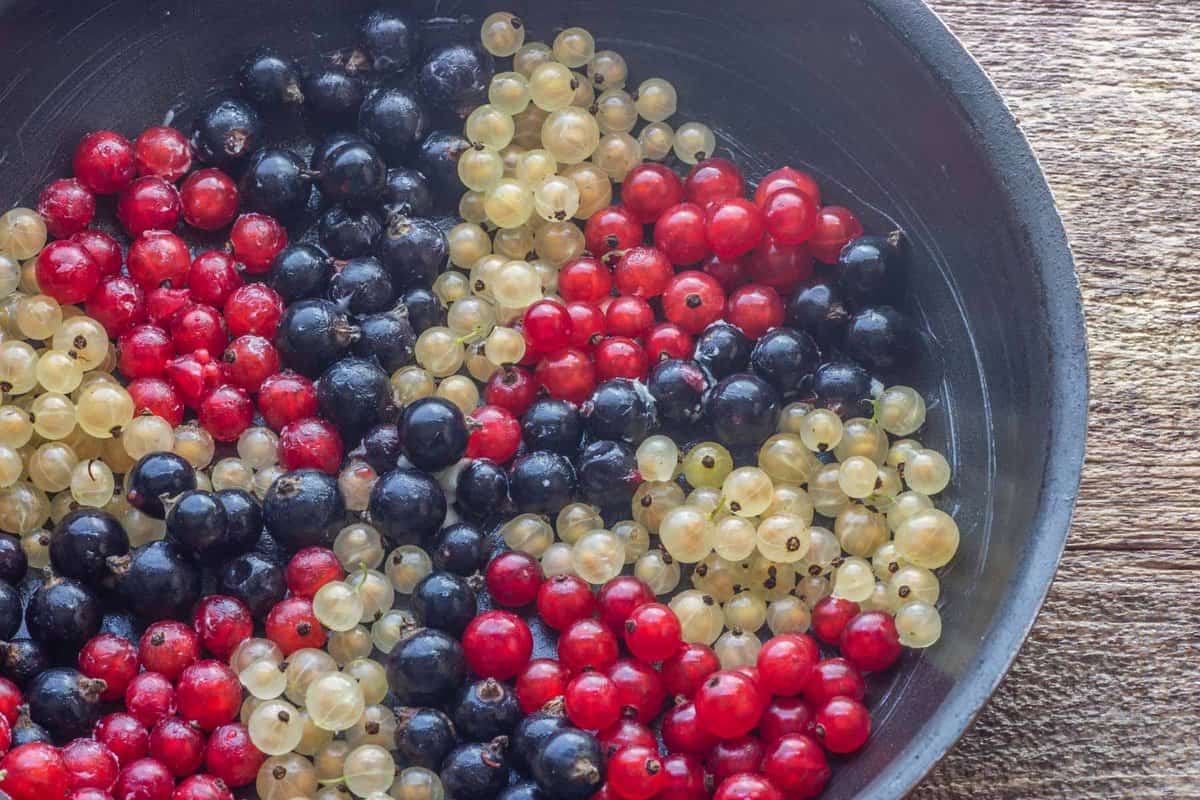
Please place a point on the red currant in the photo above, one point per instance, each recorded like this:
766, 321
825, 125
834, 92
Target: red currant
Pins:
222, 622
286, 397
497, 644
730, 273
629, 316
495, 434
226, 412
836, 226
693, 301
754, 309
251, 360
164, 152
870, 641
620, 357
198, 327
312, 568
212, 277
592, 702
747, 786
842, 725
830, 616
34, 771
256, 239
513, 578
731, 756
92, 764
118, 304
588, 324
67, 206
684, 672
733, 227
785, 715
584, 279
834, 677
149, 204
194, 376
143, 352
532, 354
11, 700
785, 663
253, 309
639, 687
159, 258
787, 178
749, 672
609, 229
111, 659
791, 216
149, 697
292, 625
797, 765
619, 597
163, 303
202, 787
668, 340
230, 755
511, 387
209, 693
177, 745
124, 735
169, 647
712, 180
681, 732
542, 680
653, 632
104, 249
625, 733
144, 779
311, 443
210, 199
679, 232
104, 162
66, 272
650, 189
587, 643
728, 704
643, 272
685, 778
636, 773
548, 325
568, 374
563, 600
781, 267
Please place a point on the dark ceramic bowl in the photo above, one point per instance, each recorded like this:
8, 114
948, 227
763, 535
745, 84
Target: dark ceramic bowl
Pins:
875, 96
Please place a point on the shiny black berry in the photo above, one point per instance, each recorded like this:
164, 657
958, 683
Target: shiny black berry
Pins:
354, 394
157, 476
817, 308
407, 506
621, 410
254, 580
394, 120
26, 731
426, 667
22, 659
842, 386
312, 334
881, 338
13, 561
608, 474
482, 491
424, 309
541, 482
722, 349
276, 182
525, 790
226, 132
270, 81
333, 95
243, 523
392, 40
444, 601
552, 425
461, 549
475, 771
742, 411
435, 433
329, 145
362, 286
63, 614
413, 250
196, 523
303, 508
300, 271
871, 269
569, 765
381, 447
424, 736
11, 613
388, 338
678, 386
346, 231
353, 173
456, 77
65, 702
83, 543
486, 709
159, 581
407, 192
785, 358
437, 158
530, 734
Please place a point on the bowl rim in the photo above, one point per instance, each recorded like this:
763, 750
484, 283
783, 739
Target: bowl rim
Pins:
1020, 174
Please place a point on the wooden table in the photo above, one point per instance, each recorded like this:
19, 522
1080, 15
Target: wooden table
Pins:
1104, 700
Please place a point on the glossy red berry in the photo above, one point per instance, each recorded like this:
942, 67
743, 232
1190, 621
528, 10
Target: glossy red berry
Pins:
511, 387
213, 277
679, 232
202, 787
542, 680
747, 786
548, 325
164, 152
733, 226
210, 199
104, 250
611, 228
643, 272
497, 644
66, 272
730, 273
787, 178
588, 643
311, 443
177, 745
209, 693
286, 397
124, 735
226, 412
728, 704
785, 715
712, 180
797, 765
870, 641
256, 239
625, 733
629, 316
649, 189
104, 162
253, 309
620, 357
230, 755
222, 623
513, 578
169, 647
111, 659
592, 702
684, 672
782, 267
681, 732
66, 206
150, 697
791, 216
149, 204
198, 327
653, 632
836, 226
685, 778
495, 434
588, 325
91, 764
754, 309
563, 600
584, 279
568, 374
312, 568
251, 360
619, 597
34, 771
144, 779
668, 340
11, 700
636, 773
159, 258
831, 678
292, 625
639, 687
194, 376
731, 756
693, 300
842, 725
785, 663
118, 304
830, 616
164, 303
143, 352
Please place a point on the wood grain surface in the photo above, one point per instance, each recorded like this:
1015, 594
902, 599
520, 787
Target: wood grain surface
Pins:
1104, 700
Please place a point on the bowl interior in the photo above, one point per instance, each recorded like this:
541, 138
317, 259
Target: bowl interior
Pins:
864, 94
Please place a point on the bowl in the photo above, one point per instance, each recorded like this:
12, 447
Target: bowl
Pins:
874, 96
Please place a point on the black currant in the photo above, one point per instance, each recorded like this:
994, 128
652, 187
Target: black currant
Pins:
393, 40
413, 250
329, 145
569, 765
254, 580
26, 731
300, 271
621, 410
347, 232
530, 734
525, 790
608, 474
393, 119
11, 613
275, 182
82, 544
155, 477
541, 482
475, 771
65, 702
226, 132
437, 158
678, 386
434, 432
159, 581
312, 334
407, 192
63, 614
22, 659
456, 77
270, 80
460, 548
381, 447
243, 523
722, 349
388, 338
444, 601
486, 709
871, 268
424, 736
842, 386
424, 309
13, 561
333, 94
303, 508
816, 307
354, 394
881, 338
552, 425
353, 173
785, 358
362, 286
426, 667
742, 411
196, 523
482, 490
407, 506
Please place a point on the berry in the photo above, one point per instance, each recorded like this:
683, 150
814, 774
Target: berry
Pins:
111, 659
287, 397
67, 206
652, 632
256, 239
163, 152
159, 258
293, 626
791, 216
667, 340
636, 773
434, 432
592, 701
104, 162
92, 765
497, 644
620, 357
163, 303
747, 786
831, 678
253, 309
222, 622
567, 375
588, 325
210, 199
251, 360
226, 132
541, 681
312, 568
495, 434
514, 578
569, 765
124, 735
881, 337
193, 376
149, 697
143, 352
424, 736
34, 772
618, 598
144, 779
693, 300
871, 269
684, 672
587, 643
713, 180
511, 387
643, 272
650, 189
785, 664
780, 266
212, 277
787, 178
733, 226
584, 279
754, 309
609, 229
149, 204
444, 601
177, 745
730, 273
639, 687
169, 648
563, 600
685, 778
835, 227
625, 733
728, 704
679, 232
429, 666
785, 715
231, 757
681, 732
101, 247
209, 694
629, 316
66, 272
226, 412
475, 770
797, 765
731, 756
198, 327
548, 325
842, 725
11, 700
830, 616
870, 641
201, 787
